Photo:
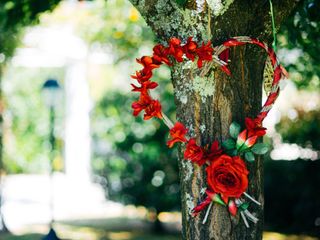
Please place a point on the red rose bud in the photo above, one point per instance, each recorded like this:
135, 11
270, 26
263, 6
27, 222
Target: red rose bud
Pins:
177, 134
232, 207
194, 153
244, 142
196, 210
242, 137
215, 197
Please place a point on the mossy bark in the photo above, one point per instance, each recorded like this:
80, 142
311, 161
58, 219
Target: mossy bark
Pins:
208, 114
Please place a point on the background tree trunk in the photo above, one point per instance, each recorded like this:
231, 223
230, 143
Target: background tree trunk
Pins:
208, 106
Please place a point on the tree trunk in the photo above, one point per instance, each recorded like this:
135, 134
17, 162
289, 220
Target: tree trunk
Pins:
207, 106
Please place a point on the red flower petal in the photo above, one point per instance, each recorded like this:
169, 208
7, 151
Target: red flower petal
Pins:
204, 53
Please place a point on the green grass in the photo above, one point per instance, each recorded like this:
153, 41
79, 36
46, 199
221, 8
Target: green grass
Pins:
24, 237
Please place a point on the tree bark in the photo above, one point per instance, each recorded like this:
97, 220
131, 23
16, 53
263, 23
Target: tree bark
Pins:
207, 106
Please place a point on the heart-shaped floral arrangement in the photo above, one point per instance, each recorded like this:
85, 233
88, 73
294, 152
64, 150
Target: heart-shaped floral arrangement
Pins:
227, 174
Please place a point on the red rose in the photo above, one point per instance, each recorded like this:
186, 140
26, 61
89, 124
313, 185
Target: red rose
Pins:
228, 176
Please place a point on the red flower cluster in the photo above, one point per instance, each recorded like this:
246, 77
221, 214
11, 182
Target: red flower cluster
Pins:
161, 54
227, 176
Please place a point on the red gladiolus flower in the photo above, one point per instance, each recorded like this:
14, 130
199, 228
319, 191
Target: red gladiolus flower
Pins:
177, 134
228, 176
141, 104
254, 127
142, 75
175, 49
204, 53
194, 153
148, 63
190, 49
153, 110
214, 152
145, 86
160, 54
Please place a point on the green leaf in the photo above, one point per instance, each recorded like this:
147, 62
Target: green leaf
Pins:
234, 130
181, 2
229, 144
260, 148
218, 199
244, 206
249, 156
232, 152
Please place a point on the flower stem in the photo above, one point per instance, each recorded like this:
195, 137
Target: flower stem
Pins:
252, 199
207, 213
167, 121
244, 219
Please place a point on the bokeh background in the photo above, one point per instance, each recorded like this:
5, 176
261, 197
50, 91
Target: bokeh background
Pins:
110, 175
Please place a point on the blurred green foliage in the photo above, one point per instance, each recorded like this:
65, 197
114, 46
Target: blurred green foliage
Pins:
301, 35
132, 154
303, 130
27, 120
14, 15
113, 25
